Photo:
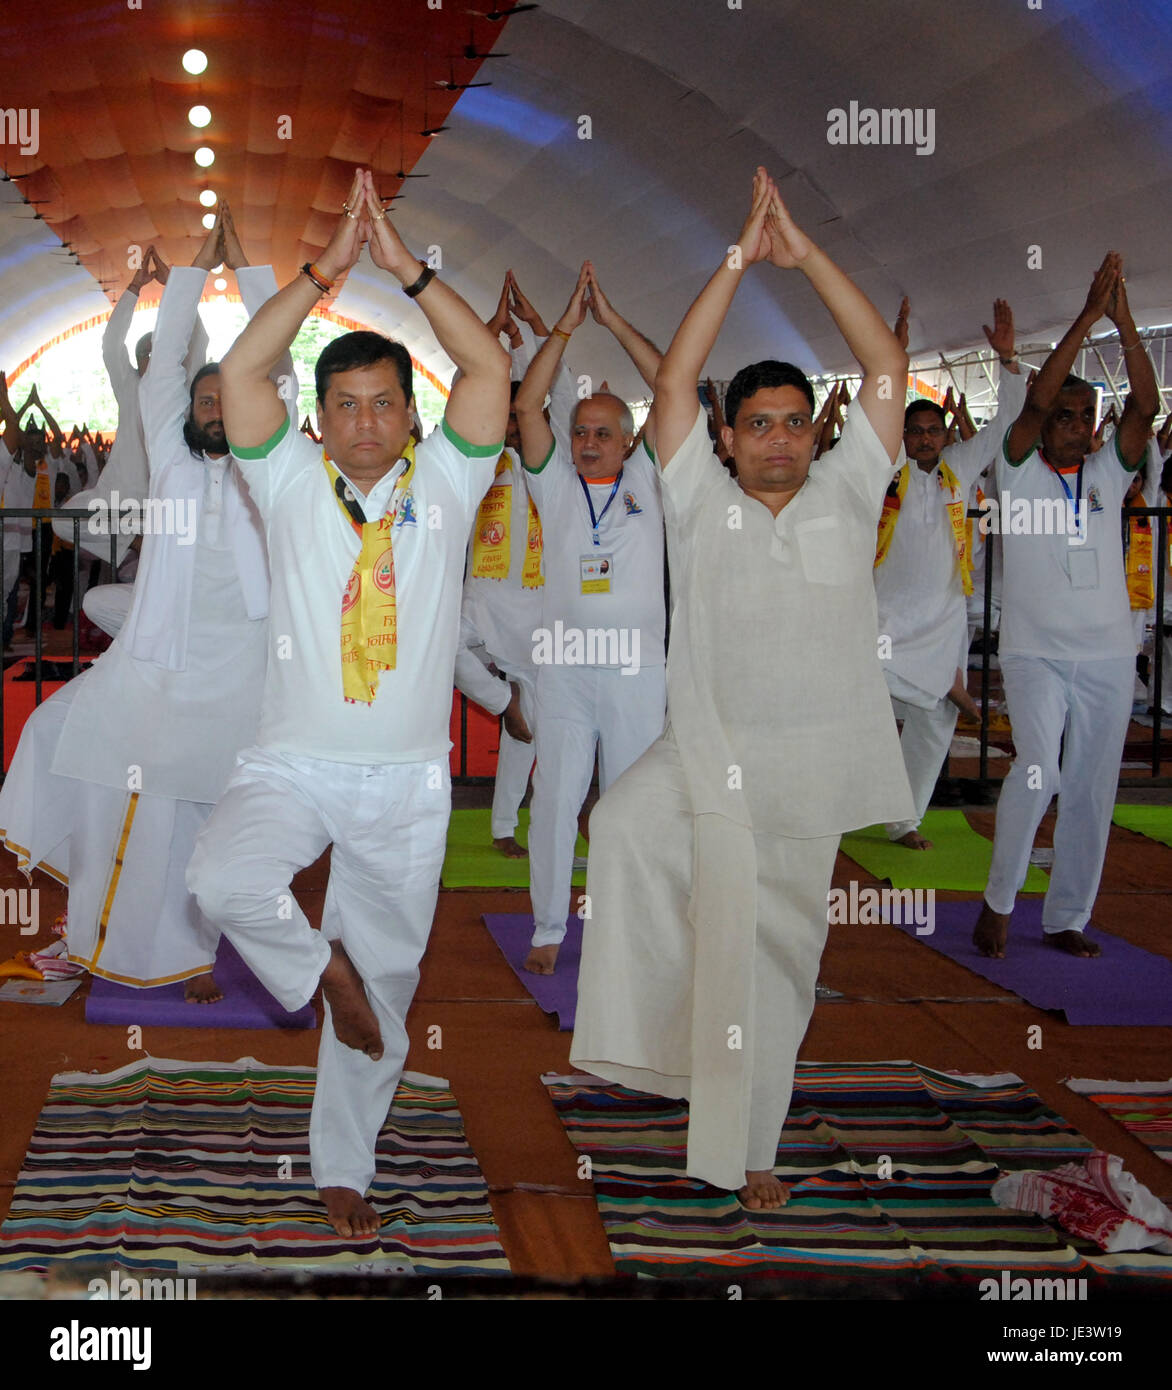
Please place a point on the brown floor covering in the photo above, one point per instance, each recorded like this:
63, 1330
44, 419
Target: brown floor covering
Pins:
495, 1042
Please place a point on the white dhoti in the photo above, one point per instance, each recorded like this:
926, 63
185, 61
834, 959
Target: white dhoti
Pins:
1089, 702
514, 758
121, 853
639, 950
579, 707
388, 827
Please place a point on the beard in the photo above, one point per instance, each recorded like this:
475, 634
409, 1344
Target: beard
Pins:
207, 438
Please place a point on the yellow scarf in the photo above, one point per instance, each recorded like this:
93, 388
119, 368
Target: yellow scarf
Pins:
369, 611
42, 492
955, 504
491, 554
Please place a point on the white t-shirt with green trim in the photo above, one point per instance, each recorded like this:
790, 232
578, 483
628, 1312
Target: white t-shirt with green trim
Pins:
1059, 601
312, 549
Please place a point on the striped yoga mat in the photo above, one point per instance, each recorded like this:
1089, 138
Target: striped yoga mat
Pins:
1143, 1108
890, 1165
197, 1165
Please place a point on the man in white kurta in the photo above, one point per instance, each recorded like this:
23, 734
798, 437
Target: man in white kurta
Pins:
1067, 650
141, 746
366, 542
922, 575
711, 859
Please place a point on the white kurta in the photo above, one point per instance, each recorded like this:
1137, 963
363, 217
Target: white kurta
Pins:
779, 710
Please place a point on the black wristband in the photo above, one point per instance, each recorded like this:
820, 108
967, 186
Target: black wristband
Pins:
411, 291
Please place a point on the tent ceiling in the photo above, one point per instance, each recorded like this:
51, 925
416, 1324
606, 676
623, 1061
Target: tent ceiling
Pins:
1052, 129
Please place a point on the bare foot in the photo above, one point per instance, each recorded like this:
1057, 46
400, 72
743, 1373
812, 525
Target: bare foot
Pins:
515, 725
202, 989
762, 1191
990, 932
914, 840
347, 1212
1073, 942
509, 847
354, 1020
542, 959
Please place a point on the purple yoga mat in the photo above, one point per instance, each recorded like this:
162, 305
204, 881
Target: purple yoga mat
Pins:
1124, 987
556, 993
246, 1002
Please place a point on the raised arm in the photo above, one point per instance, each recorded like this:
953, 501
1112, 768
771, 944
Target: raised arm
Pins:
121, 370
164, 394
253, 409
56, 440
536, 435
478, 408
1043, 390
642, 351
679, 371
7, 412
1143, 396
875, 347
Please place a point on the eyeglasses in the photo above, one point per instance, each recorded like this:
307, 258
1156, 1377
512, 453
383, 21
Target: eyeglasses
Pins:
915, 431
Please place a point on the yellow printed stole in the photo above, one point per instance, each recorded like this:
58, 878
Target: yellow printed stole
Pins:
370, 620
491, 552
43, 489
954, 502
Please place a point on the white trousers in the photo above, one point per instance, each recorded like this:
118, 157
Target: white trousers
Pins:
579, 707
924, 743
388, 825
106, 606
1089, 702
514, 758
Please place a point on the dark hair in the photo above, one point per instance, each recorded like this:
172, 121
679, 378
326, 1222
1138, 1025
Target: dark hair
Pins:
189, 430
1076, 383
760, 376
924, 404
361, 349
514, 387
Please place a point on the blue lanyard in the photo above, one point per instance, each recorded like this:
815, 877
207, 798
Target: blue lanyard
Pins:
596, 521
1075, 501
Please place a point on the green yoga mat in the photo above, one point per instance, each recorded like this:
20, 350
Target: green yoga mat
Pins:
472, 861
1153, 821
958, 860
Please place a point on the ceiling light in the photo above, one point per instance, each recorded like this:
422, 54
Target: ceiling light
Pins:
205, 156
199, 116
194, 61
208, 198
209, 220
220, 284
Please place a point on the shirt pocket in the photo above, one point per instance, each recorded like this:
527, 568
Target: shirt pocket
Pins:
820, 544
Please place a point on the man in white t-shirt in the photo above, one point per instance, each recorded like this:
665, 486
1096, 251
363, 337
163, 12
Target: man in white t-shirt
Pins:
366, 549
710, 859
600, 647
1067, 651
923, 572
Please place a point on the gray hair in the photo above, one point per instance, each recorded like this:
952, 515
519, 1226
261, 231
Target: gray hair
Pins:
626, 419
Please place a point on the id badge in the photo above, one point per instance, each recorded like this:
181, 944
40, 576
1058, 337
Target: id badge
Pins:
1084, 569
597, 573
